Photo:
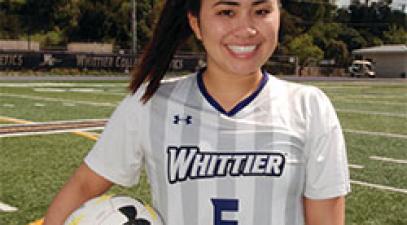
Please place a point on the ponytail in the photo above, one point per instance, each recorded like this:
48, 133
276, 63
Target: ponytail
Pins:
171, 30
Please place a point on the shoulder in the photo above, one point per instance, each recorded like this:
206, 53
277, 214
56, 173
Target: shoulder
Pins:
179, 80
305, 93
172, 85
166, 87
312, 103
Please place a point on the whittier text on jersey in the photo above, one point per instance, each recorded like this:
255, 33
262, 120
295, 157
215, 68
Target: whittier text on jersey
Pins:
188, 162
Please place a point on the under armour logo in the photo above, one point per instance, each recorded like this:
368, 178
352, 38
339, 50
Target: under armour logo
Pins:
187, 120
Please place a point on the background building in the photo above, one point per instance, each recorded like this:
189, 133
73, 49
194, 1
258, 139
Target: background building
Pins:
388, 60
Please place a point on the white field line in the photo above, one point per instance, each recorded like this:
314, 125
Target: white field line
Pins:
8, 105
375, 133
378, 186
327, 86
340, 99
73, 90
59, 100
400, 161
56, 122
347, 95
7, 208
113, 93
81, 90
357, 85
107, 93
53, 90
49, 84
376, 96
355, 166
66, 104
51, 132
373, 113
20, 121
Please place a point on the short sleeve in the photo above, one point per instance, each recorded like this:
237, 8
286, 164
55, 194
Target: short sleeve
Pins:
117, 155
327, 174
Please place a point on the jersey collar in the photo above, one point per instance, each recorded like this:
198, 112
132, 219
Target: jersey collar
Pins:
240, 105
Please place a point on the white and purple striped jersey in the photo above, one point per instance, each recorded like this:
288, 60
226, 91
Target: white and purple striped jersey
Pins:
252, 165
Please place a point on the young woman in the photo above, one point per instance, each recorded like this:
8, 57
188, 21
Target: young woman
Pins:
230, 145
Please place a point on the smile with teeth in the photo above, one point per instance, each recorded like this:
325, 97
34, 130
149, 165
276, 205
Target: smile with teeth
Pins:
242, 49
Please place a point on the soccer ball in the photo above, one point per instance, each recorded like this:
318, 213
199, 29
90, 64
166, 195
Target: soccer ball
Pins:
114, 210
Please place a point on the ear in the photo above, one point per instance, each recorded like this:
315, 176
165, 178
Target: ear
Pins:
194, 24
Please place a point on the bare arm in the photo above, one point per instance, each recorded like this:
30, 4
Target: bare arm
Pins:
323, 212
83, 185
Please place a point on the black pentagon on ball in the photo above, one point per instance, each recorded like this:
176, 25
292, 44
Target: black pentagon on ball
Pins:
131, 213
142, 222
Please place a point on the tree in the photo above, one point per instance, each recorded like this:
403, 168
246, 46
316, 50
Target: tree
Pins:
289, 29
96, 21
147, 18
396, 35
323, 34
298, 17
306, 51
40, 15
310, 12
337, 50
10, 24
10, 27
110, 21
327, 38
352, 38
374, 19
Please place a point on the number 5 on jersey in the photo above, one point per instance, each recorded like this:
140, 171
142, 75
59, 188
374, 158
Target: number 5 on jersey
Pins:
224, 205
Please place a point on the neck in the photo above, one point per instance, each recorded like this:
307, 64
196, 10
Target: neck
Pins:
230, 89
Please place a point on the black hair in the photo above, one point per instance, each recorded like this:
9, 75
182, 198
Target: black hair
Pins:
170, 32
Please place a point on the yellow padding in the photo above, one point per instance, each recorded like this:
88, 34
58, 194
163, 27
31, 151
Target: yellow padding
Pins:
37, 222
14, 120
152, 212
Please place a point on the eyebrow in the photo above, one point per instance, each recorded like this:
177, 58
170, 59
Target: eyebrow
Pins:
258, 2
235, 3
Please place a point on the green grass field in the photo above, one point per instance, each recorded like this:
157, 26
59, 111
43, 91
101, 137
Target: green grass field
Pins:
33, 168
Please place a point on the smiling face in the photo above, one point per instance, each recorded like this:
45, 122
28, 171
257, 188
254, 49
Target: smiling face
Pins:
239, 35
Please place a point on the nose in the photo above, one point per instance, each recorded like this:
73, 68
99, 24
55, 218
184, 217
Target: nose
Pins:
246, 32
245, 28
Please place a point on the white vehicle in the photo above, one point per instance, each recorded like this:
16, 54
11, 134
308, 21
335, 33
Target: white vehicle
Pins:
362, 68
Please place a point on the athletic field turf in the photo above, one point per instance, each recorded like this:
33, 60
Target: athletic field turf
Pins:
34, 167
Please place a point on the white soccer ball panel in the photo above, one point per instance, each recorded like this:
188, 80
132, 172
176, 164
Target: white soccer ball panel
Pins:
93, 211
114, 219
117, 210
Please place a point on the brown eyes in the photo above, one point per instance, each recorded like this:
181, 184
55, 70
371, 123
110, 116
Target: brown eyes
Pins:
226, 12
263, 12
231, 13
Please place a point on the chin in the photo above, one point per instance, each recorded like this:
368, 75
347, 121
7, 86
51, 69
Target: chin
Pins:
244, 70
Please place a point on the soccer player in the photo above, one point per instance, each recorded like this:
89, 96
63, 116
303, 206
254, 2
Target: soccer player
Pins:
229, 145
